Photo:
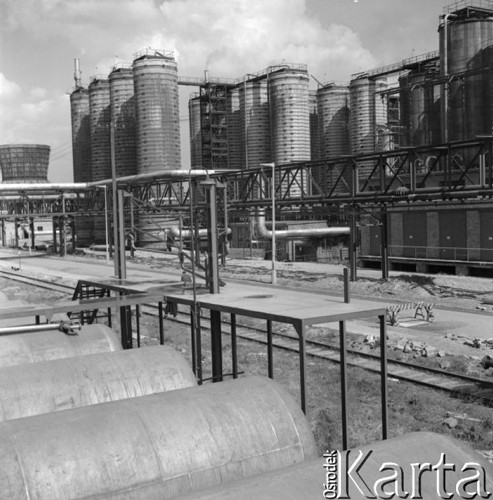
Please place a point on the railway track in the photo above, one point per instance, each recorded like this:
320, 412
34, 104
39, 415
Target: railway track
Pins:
455, 383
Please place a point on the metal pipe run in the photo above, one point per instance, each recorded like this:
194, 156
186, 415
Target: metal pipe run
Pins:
264, 234
65, 327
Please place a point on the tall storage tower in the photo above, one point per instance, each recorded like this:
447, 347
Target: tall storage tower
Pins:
157, 111
122, 101
466, 46
368, 116
290, 121
100, 113
255, 123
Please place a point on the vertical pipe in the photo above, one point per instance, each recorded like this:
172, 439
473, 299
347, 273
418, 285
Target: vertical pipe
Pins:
63, 229
212, 261
73, 231
226, 224
106, 224
352, 245
216, 347
383, 374
161, 323
55, 237
198, 336
108, 294
31, 230
344, 387
61, 234
132, 226
3, 233
273, 194
193, 340
16, 227
270, 366
122, 274
384, 235
234, 346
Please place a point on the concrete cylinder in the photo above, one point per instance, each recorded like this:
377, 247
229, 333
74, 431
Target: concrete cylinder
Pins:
62, 384
157, 446
43, 346
307, 480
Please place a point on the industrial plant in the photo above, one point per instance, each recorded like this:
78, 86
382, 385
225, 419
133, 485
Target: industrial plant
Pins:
149, 369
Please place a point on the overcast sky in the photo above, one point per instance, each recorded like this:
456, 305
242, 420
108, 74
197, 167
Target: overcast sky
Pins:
39, 40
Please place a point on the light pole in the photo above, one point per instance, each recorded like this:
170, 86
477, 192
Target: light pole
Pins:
106, 224
273, 196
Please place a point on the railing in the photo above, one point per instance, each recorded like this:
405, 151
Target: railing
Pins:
441, 253
482, 4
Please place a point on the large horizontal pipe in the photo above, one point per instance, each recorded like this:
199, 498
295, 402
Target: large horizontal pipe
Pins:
62, 384
44, 346
155, 447
187, 233
311, 479
10, 330
264, 234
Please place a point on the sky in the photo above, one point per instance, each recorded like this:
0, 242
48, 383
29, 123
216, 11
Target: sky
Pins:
39, 40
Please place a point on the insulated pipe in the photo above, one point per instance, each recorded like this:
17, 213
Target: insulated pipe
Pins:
155, 447
310, 479
187, 233
265, 234
62, 384
44, 346
10, 330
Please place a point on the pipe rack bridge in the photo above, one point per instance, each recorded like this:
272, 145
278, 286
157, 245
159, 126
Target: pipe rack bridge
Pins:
452, 171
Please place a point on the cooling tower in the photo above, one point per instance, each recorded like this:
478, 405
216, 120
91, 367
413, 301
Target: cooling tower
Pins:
24, 162
100, 113
255, 123
195, 131
419, 113
157, 111
368, 116
466, 44
122, 101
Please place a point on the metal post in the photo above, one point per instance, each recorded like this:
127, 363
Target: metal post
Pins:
61, 232
122, 265
347, 298
273, 194
212, 264
270, 366
116, 253
384, 243
300, 329
126, 326
63, 229
161, 323
383, 373
352, 244
137, 323
198, 336
132, 226
226, 224
216, 346
16, 227
3, 233
74, 238
234, 346
342, 351
193, 341
31, 229
55, 220
106, 224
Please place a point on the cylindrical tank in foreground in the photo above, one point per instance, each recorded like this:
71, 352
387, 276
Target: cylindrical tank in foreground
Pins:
123, 118
44, 346
24, 162
81, 156
99, 103
62, 384
158, 446
157, 111
466, 44
195, 131
310, 479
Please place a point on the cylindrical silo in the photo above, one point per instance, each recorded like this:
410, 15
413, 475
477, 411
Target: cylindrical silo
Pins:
315, 153
255, 123
158, 446
44, 346
466, 44
368, 116
100, 112
157, 111
63, 384
81, 154
235, 137
122, 100
24, 162
290, 123
419, 117
195, 131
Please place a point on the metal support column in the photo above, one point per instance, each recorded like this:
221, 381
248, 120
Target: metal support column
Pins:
55, 239
3, 233
161, 323
384, 243
270, 365
383, 374
216, 346
122, 265
31, 230
212, 247
73, 231
126, 327
61, 234
353, 242
344, 386
16, 228
234, 346
300, 330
